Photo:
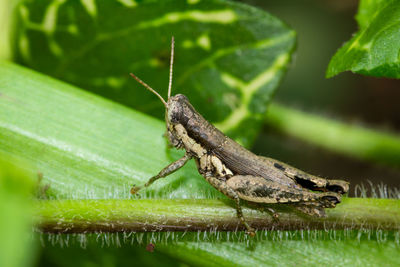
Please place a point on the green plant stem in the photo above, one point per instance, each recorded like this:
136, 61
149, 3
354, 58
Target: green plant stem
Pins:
141, 215
351, 140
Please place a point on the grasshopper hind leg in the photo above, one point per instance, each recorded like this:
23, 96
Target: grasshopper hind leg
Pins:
259, 190
229, 192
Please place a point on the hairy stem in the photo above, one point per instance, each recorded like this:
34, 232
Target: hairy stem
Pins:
141, 215
352, 140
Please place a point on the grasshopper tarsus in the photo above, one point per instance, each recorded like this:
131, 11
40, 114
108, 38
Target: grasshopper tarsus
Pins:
251, 232
235, 171
135, 189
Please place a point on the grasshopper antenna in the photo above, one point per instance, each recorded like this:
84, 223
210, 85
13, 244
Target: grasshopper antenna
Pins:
171, 63
149, 88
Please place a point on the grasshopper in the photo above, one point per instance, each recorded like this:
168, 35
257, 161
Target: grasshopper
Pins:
235, 171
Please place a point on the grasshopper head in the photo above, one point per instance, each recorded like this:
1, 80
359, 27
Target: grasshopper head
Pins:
178, 111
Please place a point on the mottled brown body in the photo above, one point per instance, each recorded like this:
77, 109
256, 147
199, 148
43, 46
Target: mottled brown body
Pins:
237, 172
237, 158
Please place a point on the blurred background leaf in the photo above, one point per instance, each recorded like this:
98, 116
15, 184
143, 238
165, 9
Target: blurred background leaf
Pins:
229, 58
367, 10
374, 49
17, 186
86, 146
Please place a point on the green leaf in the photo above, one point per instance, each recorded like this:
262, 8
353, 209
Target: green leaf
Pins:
374, 48
229, 57
86, 146
16, 192
277, 248
61, 252
282, 250
6, 28
367, 10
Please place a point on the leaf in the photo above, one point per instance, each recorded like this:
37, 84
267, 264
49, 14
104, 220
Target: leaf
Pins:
16, 188
282, 250
367, 10
229, 57
276, 248
374, 48
74, 253
6, 28
86, 146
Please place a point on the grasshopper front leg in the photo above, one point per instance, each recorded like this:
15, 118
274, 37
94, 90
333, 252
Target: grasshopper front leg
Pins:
174, 166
